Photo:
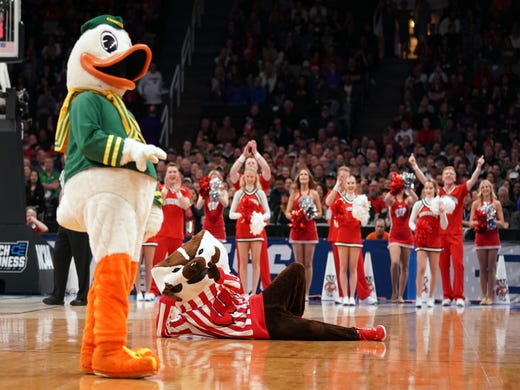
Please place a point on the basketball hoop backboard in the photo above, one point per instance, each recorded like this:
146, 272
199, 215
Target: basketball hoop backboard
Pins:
11, 31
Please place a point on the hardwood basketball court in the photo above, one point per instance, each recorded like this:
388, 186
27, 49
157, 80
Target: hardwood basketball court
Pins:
440, 348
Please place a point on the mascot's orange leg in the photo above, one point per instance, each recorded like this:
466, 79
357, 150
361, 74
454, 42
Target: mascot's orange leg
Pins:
112, 283
87, 346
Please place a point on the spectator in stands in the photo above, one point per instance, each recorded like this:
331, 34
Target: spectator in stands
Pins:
33, 222
379, 232
151, 125
151, 87
377, 201
276, 193
46, 107
404, 131
508, 207
278, 210
218, 85
35, 194
226, 132
50, 180
258, 92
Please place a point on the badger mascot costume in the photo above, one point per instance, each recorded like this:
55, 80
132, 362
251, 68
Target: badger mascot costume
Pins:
201, 297
110, 187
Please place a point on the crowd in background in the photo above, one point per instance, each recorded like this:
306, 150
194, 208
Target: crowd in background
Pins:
306, 71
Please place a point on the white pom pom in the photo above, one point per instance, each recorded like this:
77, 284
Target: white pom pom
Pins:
435, 205
361, 209
257, 223
448, 203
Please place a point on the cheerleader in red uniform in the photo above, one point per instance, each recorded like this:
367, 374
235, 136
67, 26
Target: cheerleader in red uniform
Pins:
251, 210
303, 207
362, 288
426, 220
347, 237
486, 217
251, 158
214, 199
400, 242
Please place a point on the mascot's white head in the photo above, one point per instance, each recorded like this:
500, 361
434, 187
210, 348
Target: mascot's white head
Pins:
183, 275
104, 59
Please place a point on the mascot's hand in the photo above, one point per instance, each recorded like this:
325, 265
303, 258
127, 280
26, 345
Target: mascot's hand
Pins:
141, 153
154, 222
213, 272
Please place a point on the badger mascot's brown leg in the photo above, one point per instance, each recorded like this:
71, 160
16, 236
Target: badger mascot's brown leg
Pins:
284, 304
103, 350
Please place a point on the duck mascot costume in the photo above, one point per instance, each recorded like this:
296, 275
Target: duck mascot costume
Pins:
110, 188
201, 297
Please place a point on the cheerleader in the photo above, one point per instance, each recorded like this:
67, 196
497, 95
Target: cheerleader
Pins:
303, 207
251, 210
251, 158
347, 225
426, 220
400, 242
214, 198
485, 218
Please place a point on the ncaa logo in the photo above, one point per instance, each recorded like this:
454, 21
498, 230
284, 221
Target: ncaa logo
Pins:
13, 256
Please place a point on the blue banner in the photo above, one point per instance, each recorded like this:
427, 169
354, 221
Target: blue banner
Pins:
281, 255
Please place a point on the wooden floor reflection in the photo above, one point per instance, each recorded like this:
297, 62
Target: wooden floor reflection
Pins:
442, 348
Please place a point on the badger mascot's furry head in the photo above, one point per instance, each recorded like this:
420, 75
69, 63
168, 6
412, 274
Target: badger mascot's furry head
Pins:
184, 274
201, 297
110, 187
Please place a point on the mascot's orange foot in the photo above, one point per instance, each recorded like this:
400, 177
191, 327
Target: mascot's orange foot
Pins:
86, 358
124, 363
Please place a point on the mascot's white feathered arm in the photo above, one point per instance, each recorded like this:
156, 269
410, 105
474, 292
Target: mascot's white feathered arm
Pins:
155, 218
154, 222
141, 153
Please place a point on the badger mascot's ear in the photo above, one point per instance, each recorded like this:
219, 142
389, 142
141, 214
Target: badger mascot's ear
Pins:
183, 275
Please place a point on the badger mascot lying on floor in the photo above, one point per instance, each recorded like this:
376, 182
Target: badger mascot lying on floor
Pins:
201, 297
110, 187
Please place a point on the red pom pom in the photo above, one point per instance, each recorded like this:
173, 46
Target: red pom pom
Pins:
481, 218
298, 219
397, 184
246, 207
339, 212
204, 187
